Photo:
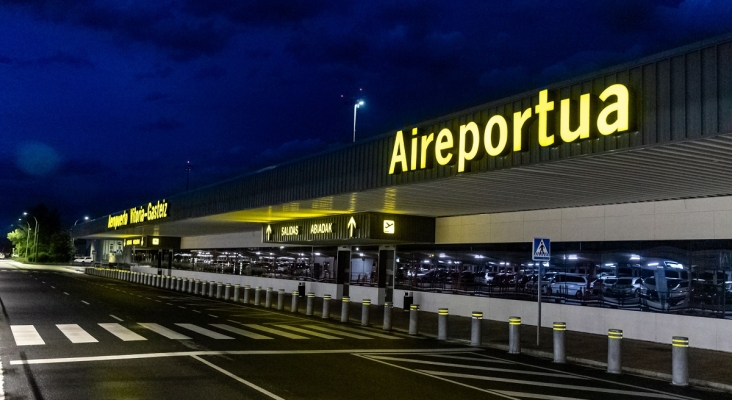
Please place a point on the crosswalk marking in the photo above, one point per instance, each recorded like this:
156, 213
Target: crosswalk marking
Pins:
275, 331
337, 332
75, 334
375, 334
238, 331
305, 331
26, 335
121, 332
161, 330
204, 331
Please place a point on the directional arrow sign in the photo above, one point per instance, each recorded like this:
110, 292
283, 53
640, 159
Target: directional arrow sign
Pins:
268, 231
351, 226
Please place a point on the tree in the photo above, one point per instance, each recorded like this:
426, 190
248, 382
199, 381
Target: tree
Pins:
19, 238
60, 249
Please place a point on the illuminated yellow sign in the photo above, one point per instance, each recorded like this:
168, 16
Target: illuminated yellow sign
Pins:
133, 242
136, 215
445, 149
156, 241
388, 226
321, 228
292, 230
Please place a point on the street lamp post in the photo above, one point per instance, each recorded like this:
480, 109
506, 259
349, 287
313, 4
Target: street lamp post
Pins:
27, 237
355, 108
72, 238
36, 235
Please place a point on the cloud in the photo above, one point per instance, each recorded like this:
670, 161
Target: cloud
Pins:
259, 12
213, 71
182, 36
59, 58
37, 159
160, 71
162, 124
155, 96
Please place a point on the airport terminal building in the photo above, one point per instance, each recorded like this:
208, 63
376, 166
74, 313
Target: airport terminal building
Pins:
626, 171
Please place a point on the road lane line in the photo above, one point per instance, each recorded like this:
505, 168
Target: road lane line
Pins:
469, 358
275, 331
161, 330
336, 332
493, 392
121, 332
552, 385
117, 318
526, 395
196, 311
85, 302
26, 335
506, 370
360, 331
204, 331
75, 334
229, 374
181, 307
307, 332
53, 287
211, 315
241, 332
356, 352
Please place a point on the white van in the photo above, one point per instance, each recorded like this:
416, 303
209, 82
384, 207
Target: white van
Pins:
568, 285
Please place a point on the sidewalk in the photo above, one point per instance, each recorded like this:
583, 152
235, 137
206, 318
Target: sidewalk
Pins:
706, 368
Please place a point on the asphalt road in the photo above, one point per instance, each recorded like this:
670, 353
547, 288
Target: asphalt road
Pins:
65, 335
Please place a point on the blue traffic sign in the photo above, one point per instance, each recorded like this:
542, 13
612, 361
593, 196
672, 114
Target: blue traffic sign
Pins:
541, 250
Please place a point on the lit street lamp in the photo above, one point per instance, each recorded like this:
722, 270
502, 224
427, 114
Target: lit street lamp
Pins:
36, 235
72, 238
355, 108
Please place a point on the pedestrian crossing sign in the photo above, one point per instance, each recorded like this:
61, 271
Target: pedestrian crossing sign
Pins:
541, 250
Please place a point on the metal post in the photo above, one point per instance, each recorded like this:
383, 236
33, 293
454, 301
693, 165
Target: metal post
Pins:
309, 306
514, 335
614, 351
680, 361
212, 286
560, 356
191, 285
293, 308
344, 308
197, 289
258, 296
281, 299
237, 289
442, 314
203, 290
227, 292
246, 294
413, 319
475, 333
326, 306
388, 306
365, 312
268, 298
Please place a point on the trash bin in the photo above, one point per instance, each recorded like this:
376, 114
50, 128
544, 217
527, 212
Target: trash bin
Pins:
408, 300
301, 289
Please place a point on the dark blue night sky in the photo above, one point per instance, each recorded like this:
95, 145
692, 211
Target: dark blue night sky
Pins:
103, 102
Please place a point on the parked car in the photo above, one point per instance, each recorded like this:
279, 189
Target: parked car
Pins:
568, 285
83, 260
708, 293
676, 297
613, 286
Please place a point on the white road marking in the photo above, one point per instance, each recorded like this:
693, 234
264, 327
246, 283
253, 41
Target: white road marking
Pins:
26, 335
275, 331
469, 358
552, 385
361, 331
121, 332
204, 331
85, 302
211, 315
525, 395
511, 371
117, 318
181, 307
337, 332
75, 334
53, 287
307, 332
196, 311
229, 374
237, 353
66, 293
241, 332
161, 330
